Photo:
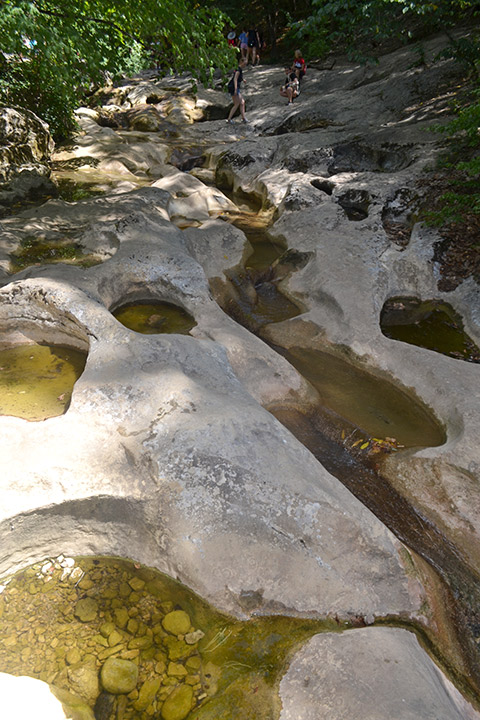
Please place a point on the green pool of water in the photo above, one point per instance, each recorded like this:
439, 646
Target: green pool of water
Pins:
62, 619
33, 251
36, 381
430, 324
378, 407
152, 318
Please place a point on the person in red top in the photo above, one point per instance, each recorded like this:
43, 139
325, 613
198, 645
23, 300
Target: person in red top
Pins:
299, 66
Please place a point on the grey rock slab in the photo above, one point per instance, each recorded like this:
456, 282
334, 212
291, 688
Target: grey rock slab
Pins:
229, 500
375, 673
25, 149
354, 267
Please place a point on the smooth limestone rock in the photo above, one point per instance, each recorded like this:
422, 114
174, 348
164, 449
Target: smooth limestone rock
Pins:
375, 673
24, 698
119, 676
174, 461
25, 149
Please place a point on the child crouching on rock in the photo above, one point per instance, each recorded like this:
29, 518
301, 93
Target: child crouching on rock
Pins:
291, 89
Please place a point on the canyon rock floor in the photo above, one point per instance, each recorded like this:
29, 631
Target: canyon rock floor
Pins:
168, 454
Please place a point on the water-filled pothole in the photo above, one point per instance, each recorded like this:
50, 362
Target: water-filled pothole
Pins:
152, 317
36, 381
375, 406
34, 251
430, 324
253, 297
136, 644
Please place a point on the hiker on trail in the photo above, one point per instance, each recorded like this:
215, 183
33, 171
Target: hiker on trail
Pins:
299, 66
234, 90
243, 40
291, 89
253, 45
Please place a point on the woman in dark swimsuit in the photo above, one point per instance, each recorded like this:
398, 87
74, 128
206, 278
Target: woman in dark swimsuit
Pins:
253, 43
234, 90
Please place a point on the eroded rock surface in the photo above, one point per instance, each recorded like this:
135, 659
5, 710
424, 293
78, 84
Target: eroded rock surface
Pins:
167, 453
381, 673
25, 149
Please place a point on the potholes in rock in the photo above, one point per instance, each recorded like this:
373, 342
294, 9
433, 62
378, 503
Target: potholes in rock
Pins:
377, 414
39, 251
130, 639
326, 186
151, 317
43, 352
36, 381
360, 157
355, 203
398, 216
252, 295
430, 324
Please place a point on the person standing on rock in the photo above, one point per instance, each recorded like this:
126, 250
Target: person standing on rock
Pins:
253, 45
243, 40
234, 90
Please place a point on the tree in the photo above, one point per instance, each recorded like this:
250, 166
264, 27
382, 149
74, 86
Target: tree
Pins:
53, 50
358, 26
271, 17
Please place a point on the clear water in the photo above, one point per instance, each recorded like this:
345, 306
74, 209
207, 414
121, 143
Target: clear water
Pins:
232, 667
36, 381
152, 318
430, 324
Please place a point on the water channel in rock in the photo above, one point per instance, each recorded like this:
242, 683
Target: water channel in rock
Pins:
360, 418
36, 381
349, 444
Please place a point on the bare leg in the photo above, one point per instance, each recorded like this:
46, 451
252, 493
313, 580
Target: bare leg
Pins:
242, 108
237, 99
254, 55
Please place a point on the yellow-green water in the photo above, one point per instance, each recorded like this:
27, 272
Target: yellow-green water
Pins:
232, 667
152, 318
36, 381
430, 324
377, 406
35, 251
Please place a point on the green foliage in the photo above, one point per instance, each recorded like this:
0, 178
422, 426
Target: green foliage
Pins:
462, 162
54, 50
357, 27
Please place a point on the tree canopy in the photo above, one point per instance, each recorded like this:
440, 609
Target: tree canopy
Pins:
355, 26
53, 50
